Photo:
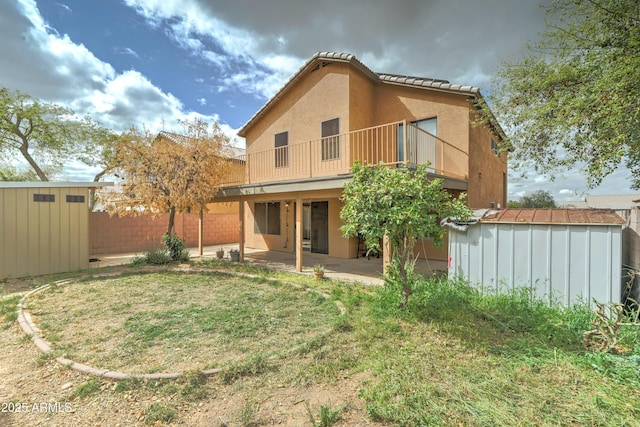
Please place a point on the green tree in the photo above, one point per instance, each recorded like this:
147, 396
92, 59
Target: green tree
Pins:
538, 199
168, 172
574, 98
401, 204
44, 134
9, 173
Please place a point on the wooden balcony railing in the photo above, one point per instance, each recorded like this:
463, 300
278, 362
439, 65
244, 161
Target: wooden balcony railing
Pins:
336, 154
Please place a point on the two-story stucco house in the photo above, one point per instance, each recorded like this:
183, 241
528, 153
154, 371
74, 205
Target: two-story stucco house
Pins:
302, 144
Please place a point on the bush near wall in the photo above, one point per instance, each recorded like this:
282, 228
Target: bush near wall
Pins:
117, 234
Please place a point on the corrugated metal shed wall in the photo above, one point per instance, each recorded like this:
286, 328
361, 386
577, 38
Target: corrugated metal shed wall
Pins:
560, 262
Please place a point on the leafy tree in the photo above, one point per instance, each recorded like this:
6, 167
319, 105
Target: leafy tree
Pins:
12, 174
44, 134
168, 172
538, 199
513, 204
402, 204
574, 98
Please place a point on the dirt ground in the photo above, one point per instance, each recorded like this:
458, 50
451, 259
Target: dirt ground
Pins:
35, 391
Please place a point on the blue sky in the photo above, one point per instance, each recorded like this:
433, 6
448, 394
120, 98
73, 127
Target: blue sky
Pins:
152, 62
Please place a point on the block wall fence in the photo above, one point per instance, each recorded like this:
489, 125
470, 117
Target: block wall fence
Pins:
108, 235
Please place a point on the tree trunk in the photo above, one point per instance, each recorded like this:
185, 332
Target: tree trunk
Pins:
172, 215
404, 255
92, 192
24, 149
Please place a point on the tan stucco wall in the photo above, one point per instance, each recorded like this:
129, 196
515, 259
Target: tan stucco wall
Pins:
42, 237
346, 92
362, 92
487, 172
339, 247
322, 95
396, 103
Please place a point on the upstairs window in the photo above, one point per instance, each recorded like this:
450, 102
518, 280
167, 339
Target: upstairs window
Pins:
282, 150
495, 148
330, 139
266, 218
430, 125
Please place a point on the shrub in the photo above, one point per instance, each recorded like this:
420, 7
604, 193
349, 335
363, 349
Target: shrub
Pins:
157, 257
176, 248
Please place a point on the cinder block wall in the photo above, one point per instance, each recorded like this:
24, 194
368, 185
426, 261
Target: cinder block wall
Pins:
108, 235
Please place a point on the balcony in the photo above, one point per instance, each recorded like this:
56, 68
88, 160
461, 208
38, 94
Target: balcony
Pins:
392, 144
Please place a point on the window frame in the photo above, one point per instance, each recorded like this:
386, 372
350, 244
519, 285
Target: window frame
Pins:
330, 142
266, 218
495, 147
281, 149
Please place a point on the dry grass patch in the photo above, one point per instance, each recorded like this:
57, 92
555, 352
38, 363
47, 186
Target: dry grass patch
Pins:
176, 321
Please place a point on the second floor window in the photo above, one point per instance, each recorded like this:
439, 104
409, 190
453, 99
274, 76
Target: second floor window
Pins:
282, 150
331, 139
495, 148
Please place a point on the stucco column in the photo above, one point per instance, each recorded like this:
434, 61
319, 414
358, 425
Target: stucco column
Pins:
241, 237
298, 234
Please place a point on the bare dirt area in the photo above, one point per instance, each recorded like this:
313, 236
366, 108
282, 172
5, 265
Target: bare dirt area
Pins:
44, 391
37, 391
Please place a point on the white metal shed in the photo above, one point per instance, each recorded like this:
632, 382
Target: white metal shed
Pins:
563, 255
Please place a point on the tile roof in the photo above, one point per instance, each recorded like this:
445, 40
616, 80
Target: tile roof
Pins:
419, 82
427, 82
230, 150
555, 216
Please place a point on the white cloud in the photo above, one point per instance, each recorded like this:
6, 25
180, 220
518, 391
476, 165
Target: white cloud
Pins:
54, 68
129, 51
235, 51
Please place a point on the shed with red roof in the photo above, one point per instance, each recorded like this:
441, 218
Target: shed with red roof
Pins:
563, 255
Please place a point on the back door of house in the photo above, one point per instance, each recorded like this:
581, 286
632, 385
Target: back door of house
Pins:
320, 227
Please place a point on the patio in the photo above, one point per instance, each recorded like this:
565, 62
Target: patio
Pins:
361, 270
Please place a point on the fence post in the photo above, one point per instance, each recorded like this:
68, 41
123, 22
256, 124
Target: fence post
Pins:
310, 159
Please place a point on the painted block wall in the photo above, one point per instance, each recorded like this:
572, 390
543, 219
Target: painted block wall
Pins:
117, 234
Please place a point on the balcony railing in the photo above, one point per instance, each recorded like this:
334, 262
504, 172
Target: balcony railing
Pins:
392, 144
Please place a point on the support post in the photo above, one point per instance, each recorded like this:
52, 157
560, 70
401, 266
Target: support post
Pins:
404, 142
200, 231
241, 237
299, 234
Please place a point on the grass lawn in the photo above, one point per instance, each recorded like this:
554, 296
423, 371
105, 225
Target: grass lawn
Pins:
175, 322
454, 357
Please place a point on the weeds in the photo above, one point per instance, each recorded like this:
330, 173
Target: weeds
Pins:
194, 385
248, 413
8, 310
255, 365
159, 413
86, 389
157, 257
327, 416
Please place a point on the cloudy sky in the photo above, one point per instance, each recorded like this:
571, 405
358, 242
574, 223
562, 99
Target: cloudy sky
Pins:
150, 62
